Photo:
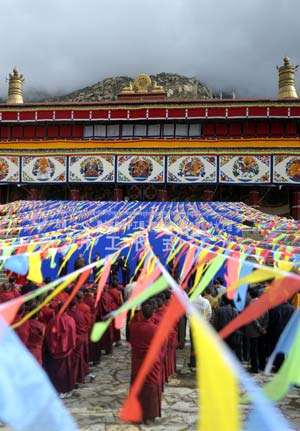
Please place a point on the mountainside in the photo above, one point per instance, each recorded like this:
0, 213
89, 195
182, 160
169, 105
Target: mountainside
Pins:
176, 86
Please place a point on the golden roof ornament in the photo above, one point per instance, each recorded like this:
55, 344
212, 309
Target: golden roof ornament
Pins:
143, 87
157, 88
128, 89
15, 88
142, 83
286, 84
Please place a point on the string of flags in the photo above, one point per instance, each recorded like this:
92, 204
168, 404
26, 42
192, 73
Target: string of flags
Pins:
204, 239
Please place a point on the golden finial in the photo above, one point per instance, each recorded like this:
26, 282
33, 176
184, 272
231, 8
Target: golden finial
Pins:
15, 87
287, 89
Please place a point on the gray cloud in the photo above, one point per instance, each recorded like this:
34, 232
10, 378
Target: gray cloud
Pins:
63, 45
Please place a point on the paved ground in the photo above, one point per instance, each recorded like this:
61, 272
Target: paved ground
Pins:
95, 405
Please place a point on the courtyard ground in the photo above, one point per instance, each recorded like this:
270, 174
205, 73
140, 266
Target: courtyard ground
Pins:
95, 405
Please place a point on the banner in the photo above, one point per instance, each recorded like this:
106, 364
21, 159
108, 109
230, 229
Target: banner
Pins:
244, 169
286, 169
44, 169
192, 169
141, 169
9, 169
92, 168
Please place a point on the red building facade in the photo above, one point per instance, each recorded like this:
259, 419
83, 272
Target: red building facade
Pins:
144, 146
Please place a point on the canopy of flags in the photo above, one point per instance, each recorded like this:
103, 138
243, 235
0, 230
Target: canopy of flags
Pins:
204, 240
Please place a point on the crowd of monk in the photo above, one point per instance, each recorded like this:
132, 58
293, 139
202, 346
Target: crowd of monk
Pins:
59, 337
60, 341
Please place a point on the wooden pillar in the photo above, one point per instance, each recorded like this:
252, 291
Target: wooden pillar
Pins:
75, 194
208, 195
296, 204
254, 198
162, 195
118, 194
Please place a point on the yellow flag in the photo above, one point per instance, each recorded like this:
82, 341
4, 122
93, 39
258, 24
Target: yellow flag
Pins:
35, 263
67, 256
284, 265
218, 391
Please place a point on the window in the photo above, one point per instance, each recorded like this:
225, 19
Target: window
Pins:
113, 131
88, 132
169, 130
182, 130
195, 130
154, 130
140, 130
127, 130
99, 131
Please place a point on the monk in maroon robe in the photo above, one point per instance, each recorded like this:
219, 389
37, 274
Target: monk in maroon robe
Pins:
81, 366
6, 294
61, 297
36, 339
23, 330
85, 309
60, 343
13, 287
105, 306
46, 314
117, 299
157, 317
94, 348
172, 343
141, 335
82, 306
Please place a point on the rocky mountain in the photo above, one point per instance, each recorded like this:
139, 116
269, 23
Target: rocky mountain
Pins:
176, 86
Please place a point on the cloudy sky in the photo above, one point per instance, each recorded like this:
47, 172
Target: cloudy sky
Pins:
63, 45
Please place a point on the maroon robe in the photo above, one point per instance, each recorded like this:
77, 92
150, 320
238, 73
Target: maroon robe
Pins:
15, 292
105, 306
141, 334
80, 351
61, 297
116, 296
157, 316
6, 295
82, 306
171, 352
46, 314
61, 341
20, 279
23, 330
36, 339
94, 348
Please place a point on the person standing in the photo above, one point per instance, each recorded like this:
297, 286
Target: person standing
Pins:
64, 269
60, 338
117, 301
256, 332
203, 306
79, 262
141, 334
223, 315
96, 269
125, 270
36, 337
6, 294
278, 319
80, 366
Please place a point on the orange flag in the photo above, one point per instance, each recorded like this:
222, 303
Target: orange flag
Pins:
277, 292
